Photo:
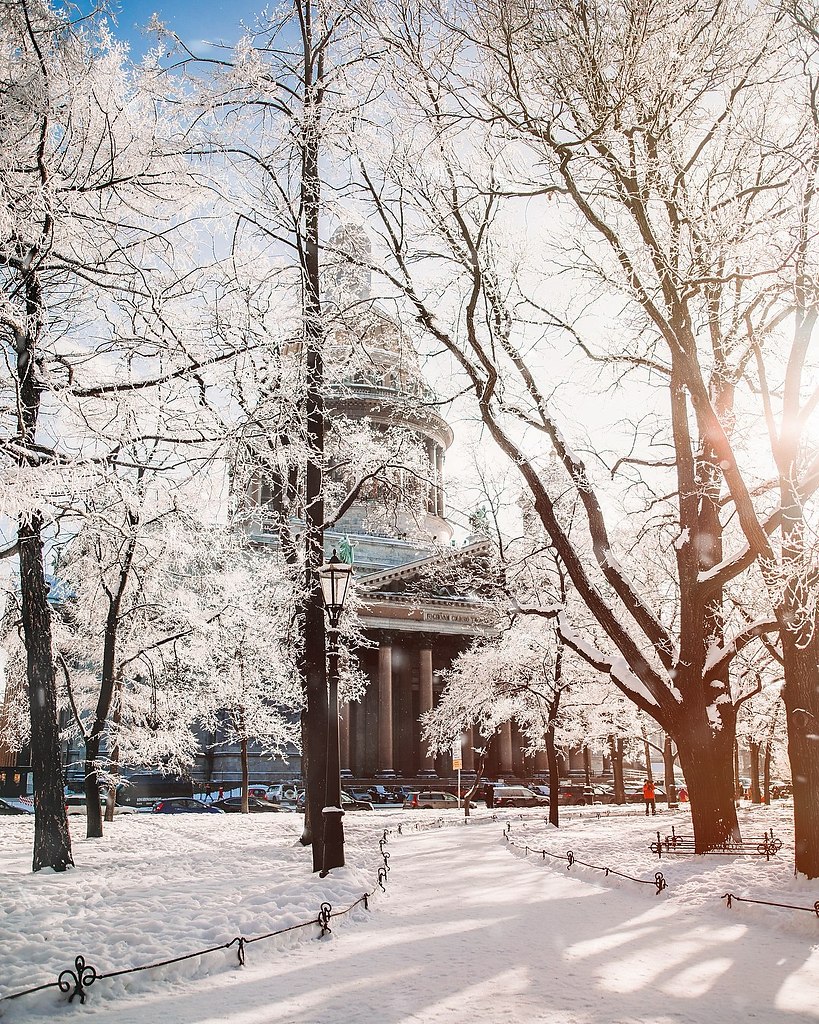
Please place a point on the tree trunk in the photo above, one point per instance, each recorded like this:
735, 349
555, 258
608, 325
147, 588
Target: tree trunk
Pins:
245, 776
52, 842
647, 757
756, 796
113, 764
313, 334
668, 768
738, 790
91, 786
473, 789
616, 755
587, 764
766, 774
801, 698
554, 774
706, 761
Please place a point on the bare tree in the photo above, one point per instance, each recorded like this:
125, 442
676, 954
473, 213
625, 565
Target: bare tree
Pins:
95, 312
658, 129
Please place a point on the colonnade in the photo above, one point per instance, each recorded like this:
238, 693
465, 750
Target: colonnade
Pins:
417, 673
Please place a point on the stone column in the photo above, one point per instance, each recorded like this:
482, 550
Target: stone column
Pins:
505, 760
541, 762
439, 475
432, 490
344, 740
385, 765
426, 764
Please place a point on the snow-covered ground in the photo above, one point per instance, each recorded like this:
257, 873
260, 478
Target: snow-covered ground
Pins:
470, 929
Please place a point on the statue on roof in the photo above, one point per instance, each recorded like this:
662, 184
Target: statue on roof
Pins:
479, 521
345, 550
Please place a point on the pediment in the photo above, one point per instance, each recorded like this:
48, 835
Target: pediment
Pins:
440, 576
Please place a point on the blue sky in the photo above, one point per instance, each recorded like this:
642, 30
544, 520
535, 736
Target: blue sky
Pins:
195, 22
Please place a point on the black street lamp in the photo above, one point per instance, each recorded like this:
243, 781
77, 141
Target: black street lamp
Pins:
335, 579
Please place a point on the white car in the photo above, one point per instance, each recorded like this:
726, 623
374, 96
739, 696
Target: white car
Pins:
75, 804
518, 796
432, 799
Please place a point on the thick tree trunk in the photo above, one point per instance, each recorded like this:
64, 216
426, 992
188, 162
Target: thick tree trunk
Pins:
766, 774
616, 755
91, 785
52, 842
801, 698
706, 760
313, 334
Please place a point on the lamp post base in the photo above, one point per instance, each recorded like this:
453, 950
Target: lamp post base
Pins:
333, 840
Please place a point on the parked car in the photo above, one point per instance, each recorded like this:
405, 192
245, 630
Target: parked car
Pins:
233, 805
518, 796
13, 805
75, 804
578, 795
381, 795
257, 789
431, 799
282, 793
780, 789
359, 794
351, 803
184, 805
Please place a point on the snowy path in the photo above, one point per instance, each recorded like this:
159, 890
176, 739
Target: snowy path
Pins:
468, 932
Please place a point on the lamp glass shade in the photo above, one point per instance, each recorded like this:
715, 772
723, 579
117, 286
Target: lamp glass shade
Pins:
335, 579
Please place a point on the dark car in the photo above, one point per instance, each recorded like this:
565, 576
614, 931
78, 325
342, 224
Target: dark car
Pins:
233, 805
578, 795
381, 795
184, 805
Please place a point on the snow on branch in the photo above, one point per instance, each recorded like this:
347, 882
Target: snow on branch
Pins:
720, 656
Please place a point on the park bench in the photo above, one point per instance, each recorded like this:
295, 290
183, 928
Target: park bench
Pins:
765, 845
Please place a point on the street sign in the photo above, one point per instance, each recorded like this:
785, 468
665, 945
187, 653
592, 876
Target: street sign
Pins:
456, 755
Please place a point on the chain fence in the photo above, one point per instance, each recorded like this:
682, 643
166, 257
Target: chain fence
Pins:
658, 881
83, 975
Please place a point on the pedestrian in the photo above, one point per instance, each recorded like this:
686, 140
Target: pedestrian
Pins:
489, 796
222, 794
648, 796
683, 794
208, 793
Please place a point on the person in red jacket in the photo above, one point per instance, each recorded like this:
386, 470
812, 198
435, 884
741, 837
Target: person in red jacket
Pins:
648, 796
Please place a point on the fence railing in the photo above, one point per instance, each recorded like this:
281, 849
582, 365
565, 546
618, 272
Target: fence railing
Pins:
658, 881
83, 975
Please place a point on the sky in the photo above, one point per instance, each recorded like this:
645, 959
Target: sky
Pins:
206, 21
